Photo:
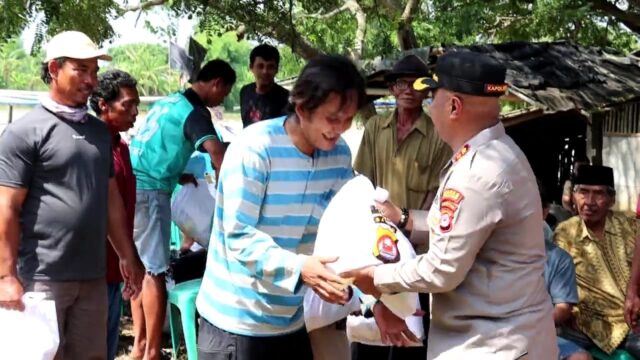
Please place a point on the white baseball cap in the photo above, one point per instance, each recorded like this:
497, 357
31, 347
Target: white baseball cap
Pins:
75, 45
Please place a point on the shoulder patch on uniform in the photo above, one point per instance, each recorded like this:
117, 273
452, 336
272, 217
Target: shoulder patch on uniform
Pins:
449, 206
462, 152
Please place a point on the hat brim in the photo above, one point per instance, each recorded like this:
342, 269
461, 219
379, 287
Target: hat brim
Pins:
393, 76
425, 84
100, 55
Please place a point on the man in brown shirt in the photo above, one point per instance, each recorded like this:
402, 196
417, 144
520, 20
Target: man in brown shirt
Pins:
402, 153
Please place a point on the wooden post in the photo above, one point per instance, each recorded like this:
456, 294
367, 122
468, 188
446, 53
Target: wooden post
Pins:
10, 113
595, 136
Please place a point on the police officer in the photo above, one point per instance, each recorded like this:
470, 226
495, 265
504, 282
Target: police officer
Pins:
486, 257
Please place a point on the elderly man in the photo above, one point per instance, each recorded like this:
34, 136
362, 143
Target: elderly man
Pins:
388, 156
59, 199
486, 252
560, 280
402, 152
601, 243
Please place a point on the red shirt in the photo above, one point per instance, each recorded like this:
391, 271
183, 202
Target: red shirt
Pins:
127, 187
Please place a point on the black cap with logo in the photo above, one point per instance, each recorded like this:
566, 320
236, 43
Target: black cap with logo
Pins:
468, 73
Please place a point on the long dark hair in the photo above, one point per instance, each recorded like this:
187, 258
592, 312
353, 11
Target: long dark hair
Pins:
324, 75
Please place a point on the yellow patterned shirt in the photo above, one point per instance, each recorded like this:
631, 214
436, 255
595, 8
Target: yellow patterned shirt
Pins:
603, 268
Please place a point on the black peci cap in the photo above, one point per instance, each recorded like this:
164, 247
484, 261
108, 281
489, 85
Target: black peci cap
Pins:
594, 175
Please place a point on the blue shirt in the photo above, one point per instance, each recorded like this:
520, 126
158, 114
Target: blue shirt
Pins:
559, 272
269, 202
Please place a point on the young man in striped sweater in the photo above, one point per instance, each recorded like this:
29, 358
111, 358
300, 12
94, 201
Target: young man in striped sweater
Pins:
277, 178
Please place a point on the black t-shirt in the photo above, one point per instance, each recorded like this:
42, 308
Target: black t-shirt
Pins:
66, 168
255, 107
198, 126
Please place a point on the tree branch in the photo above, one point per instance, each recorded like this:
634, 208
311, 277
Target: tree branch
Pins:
143, 5
331, 13
298, 43
409, 9
361, 20
629, 18
406, 37
392, 5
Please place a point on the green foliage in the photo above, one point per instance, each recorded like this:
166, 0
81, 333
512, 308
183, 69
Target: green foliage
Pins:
587, 22
290, 63
149, 64
465, 22
19, 70
292, 24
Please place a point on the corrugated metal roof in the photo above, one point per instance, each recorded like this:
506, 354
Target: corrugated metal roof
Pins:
561, 76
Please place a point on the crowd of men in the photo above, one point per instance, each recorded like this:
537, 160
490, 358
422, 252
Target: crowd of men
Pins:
86, 218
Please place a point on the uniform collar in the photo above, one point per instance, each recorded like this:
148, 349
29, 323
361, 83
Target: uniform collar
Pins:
420, 124
481, 138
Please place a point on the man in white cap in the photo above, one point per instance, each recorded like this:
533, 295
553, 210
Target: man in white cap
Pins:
59, 200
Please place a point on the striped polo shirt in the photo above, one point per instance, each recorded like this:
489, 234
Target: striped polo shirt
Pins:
268, 206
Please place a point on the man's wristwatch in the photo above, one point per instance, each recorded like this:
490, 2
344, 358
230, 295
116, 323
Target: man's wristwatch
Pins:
404, 218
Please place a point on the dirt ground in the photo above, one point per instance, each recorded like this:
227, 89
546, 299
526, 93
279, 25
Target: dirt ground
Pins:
125, 343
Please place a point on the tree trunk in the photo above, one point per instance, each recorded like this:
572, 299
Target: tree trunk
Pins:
406, 37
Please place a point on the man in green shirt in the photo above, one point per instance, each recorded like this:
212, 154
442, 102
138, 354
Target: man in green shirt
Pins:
174, 128
402, 153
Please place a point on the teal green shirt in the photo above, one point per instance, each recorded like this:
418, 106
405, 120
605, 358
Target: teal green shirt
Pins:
175, 127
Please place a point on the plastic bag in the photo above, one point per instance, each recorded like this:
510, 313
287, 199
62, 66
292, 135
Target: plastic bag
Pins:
352, 229
324, 313
192, 210
32, 333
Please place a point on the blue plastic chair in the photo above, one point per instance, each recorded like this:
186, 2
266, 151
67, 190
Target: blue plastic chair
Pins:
182, 305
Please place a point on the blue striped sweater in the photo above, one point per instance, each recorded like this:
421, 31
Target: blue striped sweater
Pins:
268, 206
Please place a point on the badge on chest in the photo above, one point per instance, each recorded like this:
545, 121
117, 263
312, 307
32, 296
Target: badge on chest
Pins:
386, 245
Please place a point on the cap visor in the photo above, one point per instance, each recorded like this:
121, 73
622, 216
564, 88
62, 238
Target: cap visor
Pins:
425, 84
101, 55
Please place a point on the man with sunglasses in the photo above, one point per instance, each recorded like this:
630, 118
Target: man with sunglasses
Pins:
601, 243
486, 252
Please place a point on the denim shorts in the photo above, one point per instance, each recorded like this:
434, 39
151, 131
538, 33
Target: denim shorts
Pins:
152, 229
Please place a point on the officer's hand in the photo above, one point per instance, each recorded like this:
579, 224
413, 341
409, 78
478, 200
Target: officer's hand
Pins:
329, 286
188, 179
363, 279
389, 210
11, 292
393, 330
631, 309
